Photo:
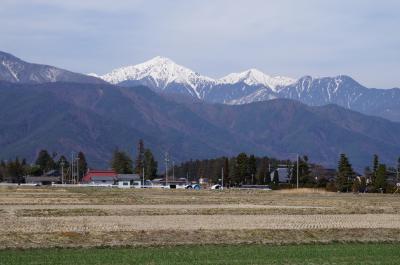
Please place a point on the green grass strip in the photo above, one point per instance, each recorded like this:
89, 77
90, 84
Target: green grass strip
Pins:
320, 254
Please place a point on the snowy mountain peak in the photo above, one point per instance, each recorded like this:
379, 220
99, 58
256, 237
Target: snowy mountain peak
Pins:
160, 60
161, 70
256, 77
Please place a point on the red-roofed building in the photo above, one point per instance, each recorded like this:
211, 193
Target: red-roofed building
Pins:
100, 177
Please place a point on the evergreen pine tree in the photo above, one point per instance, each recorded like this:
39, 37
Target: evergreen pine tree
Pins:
262, 172
345, 174
121, 162
375, 165
232, 171
139, 157
252, 168
241, 170
380, 179
45, 161
227, 180
83, 166
150, 165
305, 173
18, 171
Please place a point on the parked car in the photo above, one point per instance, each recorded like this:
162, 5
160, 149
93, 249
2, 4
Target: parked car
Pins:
216, 187
193, 187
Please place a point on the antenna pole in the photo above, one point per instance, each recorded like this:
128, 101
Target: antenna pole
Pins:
143, 176
77, 169
62, 171
173, 170
72, 167
222, 178
166, 168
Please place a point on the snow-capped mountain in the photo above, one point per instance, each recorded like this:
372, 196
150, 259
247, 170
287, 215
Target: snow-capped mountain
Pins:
15, 70
254, 77
341, 90
162, 74
344, 91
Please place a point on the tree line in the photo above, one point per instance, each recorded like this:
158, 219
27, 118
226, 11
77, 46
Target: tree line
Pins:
15, 170
245, 169
376, 179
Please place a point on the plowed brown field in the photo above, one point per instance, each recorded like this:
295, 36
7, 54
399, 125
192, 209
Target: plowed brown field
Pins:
45, 217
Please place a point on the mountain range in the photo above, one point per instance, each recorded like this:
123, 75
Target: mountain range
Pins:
162, 74
95, 116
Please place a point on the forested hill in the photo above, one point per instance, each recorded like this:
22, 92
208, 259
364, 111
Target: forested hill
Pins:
97, 118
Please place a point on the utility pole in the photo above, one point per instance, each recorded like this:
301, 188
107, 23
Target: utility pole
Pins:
166, 168
72, 167
143, 176
222, 178
173, 170
77, 169
62, 171
297, 171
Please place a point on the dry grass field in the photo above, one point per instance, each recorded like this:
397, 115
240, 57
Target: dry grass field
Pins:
36, 217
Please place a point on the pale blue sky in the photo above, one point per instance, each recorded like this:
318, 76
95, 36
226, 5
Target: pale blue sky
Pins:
360, 38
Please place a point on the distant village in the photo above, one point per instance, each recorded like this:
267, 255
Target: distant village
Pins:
243, 171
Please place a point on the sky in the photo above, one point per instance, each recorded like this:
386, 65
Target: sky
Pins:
294, 38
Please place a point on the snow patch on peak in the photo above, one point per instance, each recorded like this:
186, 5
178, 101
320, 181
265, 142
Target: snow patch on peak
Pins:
256, 77
259, 95
94, 75
10, 68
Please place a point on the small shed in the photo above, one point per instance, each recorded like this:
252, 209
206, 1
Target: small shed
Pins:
128, 181
43, 180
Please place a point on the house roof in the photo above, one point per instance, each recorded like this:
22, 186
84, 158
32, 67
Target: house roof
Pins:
128, 177
96, 174
34, 179
102, 178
